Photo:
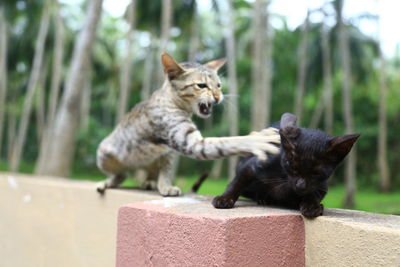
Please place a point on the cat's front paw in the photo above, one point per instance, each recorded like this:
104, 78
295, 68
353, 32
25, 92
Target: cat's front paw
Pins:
311, 210
101, 187
223, 202
263, 142
170, 191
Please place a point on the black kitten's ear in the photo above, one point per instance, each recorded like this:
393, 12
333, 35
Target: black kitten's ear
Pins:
340, 146
216, 64
171, 67
288, 126
288, 119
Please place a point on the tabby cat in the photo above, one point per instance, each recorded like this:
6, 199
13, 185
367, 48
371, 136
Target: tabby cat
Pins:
147, 137
297, 177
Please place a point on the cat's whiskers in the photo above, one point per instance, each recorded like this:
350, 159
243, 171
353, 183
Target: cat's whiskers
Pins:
227, 103
271, 181
231, 95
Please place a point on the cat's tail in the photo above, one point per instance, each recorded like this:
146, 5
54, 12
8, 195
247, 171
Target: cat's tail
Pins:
199, 182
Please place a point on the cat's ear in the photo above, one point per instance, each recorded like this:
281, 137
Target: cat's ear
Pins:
288, 126
288, 119
340, 146
216, 64
171, 67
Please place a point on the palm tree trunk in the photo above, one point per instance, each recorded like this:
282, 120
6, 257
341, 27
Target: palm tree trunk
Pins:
261, 71
85, 104
124, 93
302, 70
267, 77
11, 131
318, 111
166, 23
327, 77
350, 168
233, 109
148, 74
56, 74
384, 173
40, 102
3, 72
57, 66
62, 143
32, 85
194, 35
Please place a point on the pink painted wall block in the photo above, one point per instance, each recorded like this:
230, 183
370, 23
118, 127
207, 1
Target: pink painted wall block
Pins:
196, 234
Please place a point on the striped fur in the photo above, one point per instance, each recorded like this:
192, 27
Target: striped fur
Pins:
150, 134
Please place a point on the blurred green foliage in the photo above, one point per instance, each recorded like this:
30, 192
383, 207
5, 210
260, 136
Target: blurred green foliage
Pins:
24, 15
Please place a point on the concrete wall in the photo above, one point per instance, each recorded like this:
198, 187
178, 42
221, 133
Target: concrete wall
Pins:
48, 222
348, 238
59, 222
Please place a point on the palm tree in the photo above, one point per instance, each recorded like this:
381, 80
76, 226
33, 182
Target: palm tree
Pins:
233, 108
350, 172
166, 24
301, 69
261, 68
62, 143
384, 174
56, 74
327, 76
3, 71
32, 85
127, 63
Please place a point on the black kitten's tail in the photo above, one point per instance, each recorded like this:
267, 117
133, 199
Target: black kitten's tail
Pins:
199, 182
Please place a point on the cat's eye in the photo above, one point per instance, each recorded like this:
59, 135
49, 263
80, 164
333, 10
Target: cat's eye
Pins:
202, 85
219, 85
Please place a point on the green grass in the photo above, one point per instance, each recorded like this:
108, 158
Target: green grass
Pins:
366, 199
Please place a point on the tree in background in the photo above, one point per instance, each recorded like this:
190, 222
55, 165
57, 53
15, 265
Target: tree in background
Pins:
40, 100
125, 80
3, 71
302, 69
166, 24
62, 143
350, 172
56, 74
325, 104
233, 107
31, 88
261, 67
327, 75
384, 174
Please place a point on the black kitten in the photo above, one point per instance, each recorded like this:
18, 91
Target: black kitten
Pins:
297, 177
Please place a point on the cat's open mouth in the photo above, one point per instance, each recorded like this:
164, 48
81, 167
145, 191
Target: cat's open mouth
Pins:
205, 109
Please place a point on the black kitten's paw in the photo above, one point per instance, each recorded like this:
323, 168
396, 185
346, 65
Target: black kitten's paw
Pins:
223, 202
311, 210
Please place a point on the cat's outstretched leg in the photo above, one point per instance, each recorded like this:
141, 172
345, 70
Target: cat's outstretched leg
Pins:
111, 182
164, 183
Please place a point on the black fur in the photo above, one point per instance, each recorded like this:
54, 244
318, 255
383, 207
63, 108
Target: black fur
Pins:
297, 177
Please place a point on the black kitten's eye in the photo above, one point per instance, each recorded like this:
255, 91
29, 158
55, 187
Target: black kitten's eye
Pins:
201, 85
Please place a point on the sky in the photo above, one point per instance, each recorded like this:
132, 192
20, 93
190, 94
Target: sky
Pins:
296, 10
